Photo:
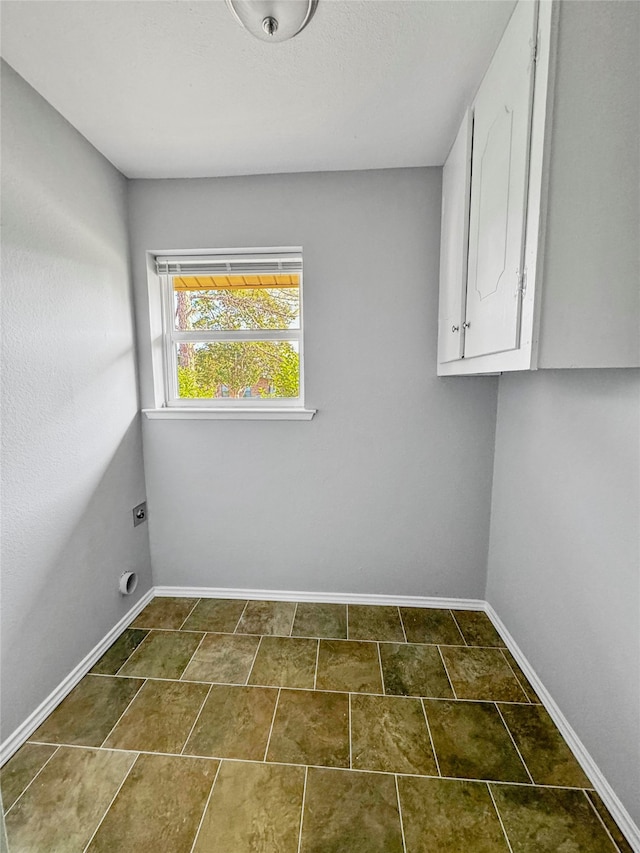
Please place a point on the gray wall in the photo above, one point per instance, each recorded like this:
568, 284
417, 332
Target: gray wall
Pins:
564, 553
385, 491
71, 448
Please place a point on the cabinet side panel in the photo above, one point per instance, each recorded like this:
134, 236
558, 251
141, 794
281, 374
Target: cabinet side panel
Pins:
591, 297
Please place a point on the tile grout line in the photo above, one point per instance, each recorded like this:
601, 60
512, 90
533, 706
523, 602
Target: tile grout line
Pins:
140, 645
431, 741
32, 780
513, 741
147, 631
495, 805
593, 808
184, 745
206, 806
273, 719
123, 713
463, 645
404, 843
293, 621
101, 821
148, 628
446, 672
304, 794
350, 739
515, 675
253, 662
198, 600
235, 630
384, 690
195, 652
402, 625
119, 670
315, 674
317, 766
347, 606
320, 690
453, 616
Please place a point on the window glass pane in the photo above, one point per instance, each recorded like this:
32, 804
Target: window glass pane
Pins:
236, 302
242, 369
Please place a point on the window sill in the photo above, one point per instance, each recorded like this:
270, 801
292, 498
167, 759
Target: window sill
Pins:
231, 414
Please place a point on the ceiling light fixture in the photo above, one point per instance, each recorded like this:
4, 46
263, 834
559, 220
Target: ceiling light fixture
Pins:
273, 20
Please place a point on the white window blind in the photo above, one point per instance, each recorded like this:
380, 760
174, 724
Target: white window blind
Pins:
246, 264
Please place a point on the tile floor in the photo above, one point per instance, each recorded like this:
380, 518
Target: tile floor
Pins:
273, 727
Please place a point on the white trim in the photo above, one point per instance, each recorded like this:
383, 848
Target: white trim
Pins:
320, 597
203, 336
22, 733
220, 414
240, 260
489, 365
621, 816
230, 261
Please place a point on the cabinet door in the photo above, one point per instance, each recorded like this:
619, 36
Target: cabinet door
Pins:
501, 130
454, 244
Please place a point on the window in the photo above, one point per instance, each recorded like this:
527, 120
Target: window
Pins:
232, 330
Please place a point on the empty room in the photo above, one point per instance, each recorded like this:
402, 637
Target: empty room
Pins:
320, 426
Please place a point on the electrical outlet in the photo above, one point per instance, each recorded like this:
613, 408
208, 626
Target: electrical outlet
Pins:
139, 514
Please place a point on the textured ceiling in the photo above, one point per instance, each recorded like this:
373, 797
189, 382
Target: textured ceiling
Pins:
178, 89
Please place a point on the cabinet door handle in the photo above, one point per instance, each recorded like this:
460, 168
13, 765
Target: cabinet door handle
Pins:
466, 325
455, 328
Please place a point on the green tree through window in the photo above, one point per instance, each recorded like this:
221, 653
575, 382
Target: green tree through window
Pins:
265, 368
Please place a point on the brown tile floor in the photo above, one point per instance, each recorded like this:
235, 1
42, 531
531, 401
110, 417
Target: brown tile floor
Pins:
271, 727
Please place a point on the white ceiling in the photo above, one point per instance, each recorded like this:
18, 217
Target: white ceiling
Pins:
178, 89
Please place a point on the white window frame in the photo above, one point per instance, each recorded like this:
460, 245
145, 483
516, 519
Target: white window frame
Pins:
231, 261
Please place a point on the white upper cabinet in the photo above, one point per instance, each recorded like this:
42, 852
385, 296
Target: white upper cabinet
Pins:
550, 242
456, 177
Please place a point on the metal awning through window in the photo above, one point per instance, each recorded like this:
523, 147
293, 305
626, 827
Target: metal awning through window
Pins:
229, 282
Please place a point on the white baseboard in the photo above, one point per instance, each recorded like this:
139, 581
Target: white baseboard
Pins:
23, 732
621, 816
322, 597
